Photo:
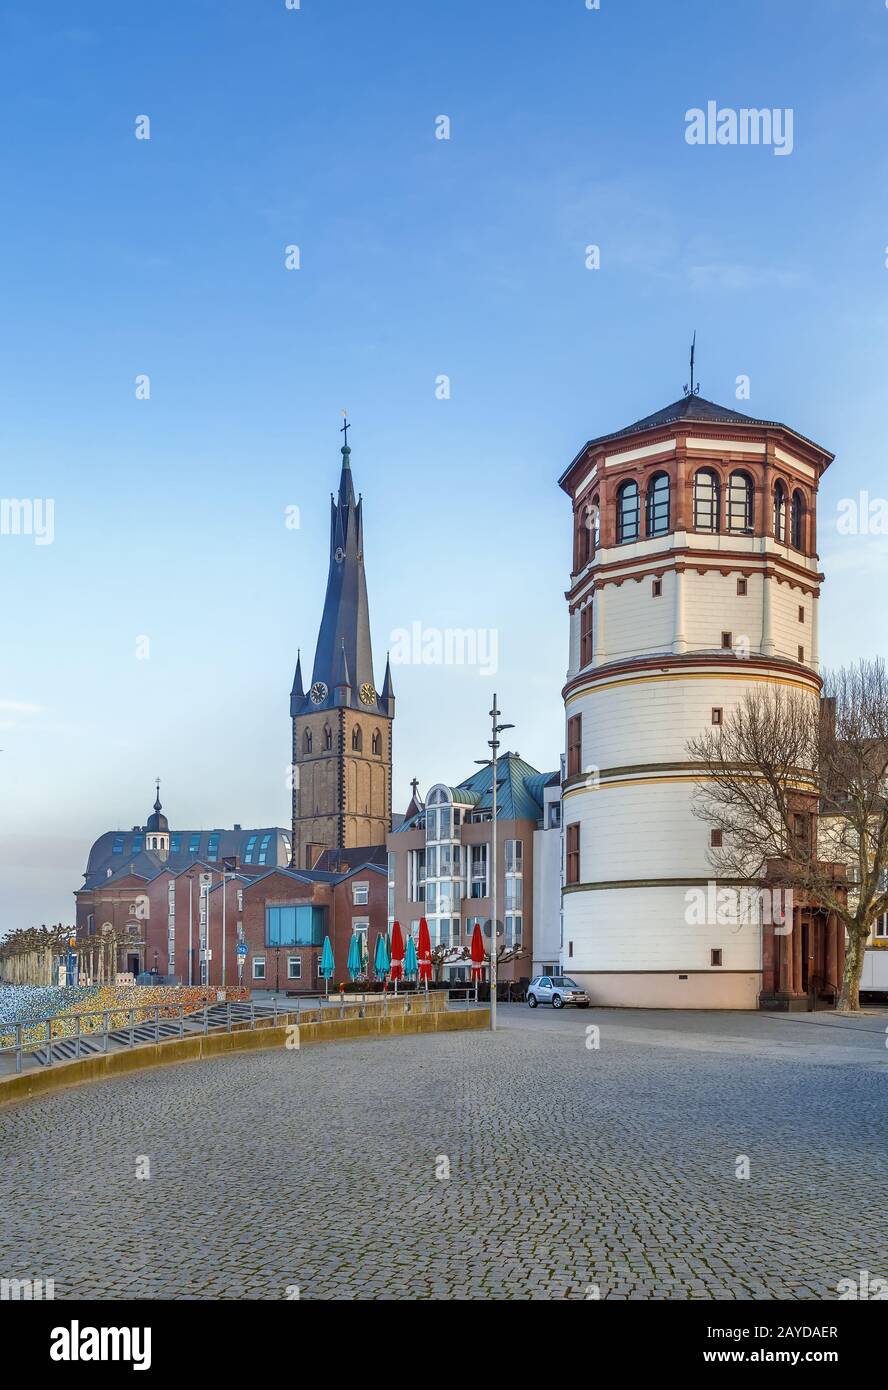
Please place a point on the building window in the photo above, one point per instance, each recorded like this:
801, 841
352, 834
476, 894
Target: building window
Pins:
479, 871
573, 853
328, 738
628, 510
658, 505
554, 815
656, 588
742, 587
740, 503
304, 925
718, 714
416, 875
194, 844
706, 500
213, 848
801, 653
801, 828
586, 635
376, 743
798, 511
514, 856
727, 640
780, 513
360, 894
514, 930
306, 741
715, 839
801, 613
574, 745
251, 845
715, 956
263, 848
258, 967
357, 740
294, 967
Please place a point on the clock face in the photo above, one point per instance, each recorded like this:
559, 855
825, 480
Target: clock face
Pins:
368, 694
318, 693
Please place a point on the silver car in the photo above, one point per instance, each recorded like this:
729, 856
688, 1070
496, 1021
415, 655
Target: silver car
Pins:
556, 990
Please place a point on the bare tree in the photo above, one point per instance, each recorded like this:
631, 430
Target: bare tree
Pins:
799, 790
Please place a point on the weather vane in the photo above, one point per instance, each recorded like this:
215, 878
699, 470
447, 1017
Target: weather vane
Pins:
692, 389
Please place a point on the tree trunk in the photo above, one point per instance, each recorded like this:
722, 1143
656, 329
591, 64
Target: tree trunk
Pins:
849, 995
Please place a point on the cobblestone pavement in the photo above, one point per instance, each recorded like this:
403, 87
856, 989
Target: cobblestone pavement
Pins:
571, 1169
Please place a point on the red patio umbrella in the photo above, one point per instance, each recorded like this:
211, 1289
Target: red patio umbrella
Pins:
424, 952
396, 969
477, 954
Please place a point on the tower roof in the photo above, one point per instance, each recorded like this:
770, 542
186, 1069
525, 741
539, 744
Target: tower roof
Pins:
694, 409
344, 638
158, 820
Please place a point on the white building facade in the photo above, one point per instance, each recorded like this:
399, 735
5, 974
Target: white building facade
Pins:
695, 577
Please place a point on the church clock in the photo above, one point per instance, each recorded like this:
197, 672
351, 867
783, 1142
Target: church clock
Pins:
318, 693
368, 694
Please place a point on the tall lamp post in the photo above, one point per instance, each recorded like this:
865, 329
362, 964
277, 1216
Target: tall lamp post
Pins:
493, 744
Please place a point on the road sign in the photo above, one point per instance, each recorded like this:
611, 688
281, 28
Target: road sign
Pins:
241, 949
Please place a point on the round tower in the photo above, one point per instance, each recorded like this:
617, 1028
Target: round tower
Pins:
695, 577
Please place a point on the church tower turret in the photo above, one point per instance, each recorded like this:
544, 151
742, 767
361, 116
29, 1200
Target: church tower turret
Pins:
342, 726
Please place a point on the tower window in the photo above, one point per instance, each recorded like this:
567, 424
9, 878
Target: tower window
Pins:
715, 839
706, 500
742, 587
798, 512
328, 738
306, 741
740, 502
658, 505
717, 715
628, 511
657, 588
572, 865
727, 640
780, 513
801, 653
574, 745
357, 740
377, 743
586, 635
801, 613
715, 956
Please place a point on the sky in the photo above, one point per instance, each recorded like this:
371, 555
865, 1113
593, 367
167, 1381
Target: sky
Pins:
154, 630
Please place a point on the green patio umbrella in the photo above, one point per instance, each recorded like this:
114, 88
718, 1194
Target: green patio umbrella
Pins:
411, 962
327, 964
355, 956
381, 962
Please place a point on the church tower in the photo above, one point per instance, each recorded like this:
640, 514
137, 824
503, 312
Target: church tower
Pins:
342, 724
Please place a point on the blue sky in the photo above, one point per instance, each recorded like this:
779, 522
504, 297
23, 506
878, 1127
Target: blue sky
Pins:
419, 257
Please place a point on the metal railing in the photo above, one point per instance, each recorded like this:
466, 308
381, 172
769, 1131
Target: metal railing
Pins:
165, 1022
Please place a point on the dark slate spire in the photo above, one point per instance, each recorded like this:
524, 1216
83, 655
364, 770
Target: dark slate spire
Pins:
297, 694
387, 698
345, 624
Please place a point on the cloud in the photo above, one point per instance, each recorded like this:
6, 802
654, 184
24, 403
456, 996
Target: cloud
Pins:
733, 276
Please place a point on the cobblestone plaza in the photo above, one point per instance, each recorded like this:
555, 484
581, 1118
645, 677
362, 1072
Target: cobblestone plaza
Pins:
574, 1171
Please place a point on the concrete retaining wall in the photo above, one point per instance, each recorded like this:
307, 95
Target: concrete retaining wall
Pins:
265, 1036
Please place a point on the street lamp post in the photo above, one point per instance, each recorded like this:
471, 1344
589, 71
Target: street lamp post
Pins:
493, 744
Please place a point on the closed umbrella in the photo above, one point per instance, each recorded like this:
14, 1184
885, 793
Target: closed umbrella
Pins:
355, 961
327, 963
397, 966
411, 965
424, 952
382, 956
477, 954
